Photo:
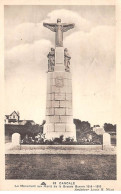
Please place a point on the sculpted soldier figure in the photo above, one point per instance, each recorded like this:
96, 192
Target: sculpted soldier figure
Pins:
51, 60
59, 28
66, 60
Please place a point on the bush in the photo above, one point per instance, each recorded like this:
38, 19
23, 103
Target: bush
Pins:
69, 141
27, 140
48, 142
58, 140
86, 139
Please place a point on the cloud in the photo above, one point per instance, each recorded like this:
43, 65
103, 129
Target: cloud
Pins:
70, 17
27, 57
24, 33
29, 32
25, 87
93, 64
100, 39
92, 50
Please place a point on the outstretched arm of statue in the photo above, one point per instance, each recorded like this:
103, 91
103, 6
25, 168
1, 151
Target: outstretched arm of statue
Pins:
50, 26
67, 27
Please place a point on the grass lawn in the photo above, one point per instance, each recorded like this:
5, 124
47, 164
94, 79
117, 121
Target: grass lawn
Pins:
61, 167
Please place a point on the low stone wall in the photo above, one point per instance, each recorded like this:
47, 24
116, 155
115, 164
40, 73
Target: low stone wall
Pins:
61, 147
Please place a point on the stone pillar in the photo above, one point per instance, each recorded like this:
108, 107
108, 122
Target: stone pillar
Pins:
59, 110
16, 138
59, 59
106, 141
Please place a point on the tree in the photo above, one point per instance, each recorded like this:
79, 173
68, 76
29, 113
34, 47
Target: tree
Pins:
108, 127
82, 126
43, 122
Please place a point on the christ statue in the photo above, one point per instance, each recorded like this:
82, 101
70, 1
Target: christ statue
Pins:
59, 28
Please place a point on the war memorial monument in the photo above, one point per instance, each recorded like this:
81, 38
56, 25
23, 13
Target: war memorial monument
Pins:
62, 151
59, 110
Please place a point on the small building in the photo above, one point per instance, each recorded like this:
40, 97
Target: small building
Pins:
13, 118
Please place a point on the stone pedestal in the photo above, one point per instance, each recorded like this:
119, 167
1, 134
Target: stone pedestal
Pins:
59, 111
59, 59
16, 138
106, 141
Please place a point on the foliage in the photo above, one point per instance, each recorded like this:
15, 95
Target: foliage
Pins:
39, 139
58, 140
27, 140
96, 125
24, 129
83, 126
85, 134
108, 127
43, 122
33, 134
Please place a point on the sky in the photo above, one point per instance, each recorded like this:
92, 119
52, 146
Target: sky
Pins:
91, 45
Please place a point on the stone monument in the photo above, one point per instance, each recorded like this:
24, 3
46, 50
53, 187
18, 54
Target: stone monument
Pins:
106, 140
59, 111
16, 138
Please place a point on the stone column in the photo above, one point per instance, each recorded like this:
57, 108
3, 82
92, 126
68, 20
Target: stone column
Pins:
59, 110
59, 59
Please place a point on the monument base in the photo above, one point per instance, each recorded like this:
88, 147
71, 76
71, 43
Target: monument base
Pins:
107, 147
56, 131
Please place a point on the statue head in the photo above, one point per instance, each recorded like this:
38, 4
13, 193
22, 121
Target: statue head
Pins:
58, 20
65, 49
52, 49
